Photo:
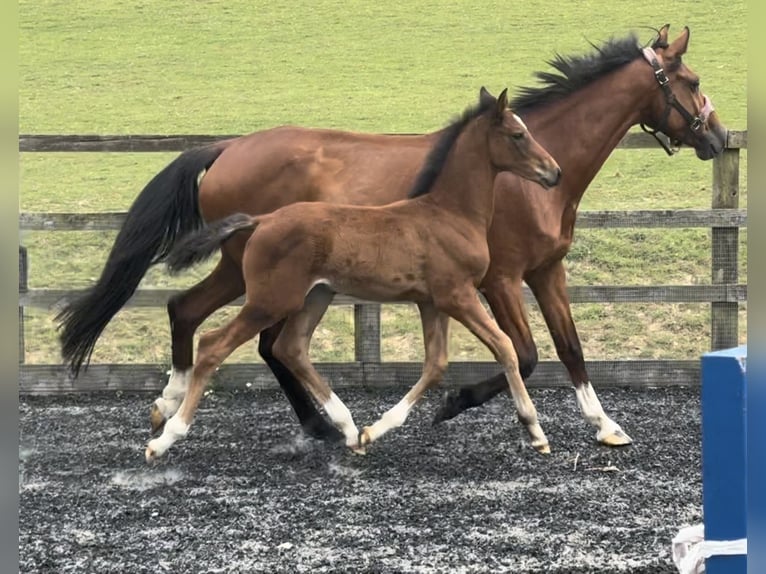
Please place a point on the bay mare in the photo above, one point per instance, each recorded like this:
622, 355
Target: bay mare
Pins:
581, 111
430, 249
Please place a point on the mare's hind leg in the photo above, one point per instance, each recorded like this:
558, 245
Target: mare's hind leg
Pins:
214, 346
186, 312
436, 338
466, 308
311, 420
292, 349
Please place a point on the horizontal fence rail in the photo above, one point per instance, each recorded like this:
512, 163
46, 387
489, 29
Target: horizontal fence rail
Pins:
178, 143
647, 218
725, 294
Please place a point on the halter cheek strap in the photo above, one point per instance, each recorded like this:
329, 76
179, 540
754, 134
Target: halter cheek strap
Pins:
693, 123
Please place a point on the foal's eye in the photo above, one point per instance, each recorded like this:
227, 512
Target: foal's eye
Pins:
517, 136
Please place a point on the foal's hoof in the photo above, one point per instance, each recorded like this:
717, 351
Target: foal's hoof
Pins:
543, 448
617, 438
151, 455
449, 408
157, 419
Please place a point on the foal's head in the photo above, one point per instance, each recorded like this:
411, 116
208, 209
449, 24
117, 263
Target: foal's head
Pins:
512, 147
679, 109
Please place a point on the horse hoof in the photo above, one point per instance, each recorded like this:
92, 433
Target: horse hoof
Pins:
449, 408
543, 448
320, 429
360, 450
150, 454
157, 419
617, 438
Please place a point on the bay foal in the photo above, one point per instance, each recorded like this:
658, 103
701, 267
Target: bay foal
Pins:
430, 249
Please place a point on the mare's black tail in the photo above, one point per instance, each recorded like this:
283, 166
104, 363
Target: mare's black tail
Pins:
165, 210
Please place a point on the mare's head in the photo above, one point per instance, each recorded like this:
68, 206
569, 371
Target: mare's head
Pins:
680, 109
512, 147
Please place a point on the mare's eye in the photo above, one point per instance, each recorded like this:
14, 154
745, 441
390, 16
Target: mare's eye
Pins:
517, 136
695, 86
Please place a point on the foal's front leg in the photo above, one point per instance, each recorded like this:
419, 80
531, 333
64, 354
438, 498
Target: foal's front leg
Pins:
466, 308
436, 338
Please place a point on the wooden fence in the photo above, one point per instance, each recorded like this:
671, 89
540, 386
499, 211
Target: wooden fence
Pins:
724, 293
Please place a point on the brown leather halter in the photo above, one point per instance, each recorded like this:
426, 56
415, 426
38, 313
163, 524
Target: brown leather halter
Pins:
693, 123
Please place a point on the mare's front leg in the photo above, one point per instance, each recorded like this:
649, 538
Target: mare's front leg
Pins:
465, 307
186, 312
292, 350
213, 348
436, 338
549, 287
506, 299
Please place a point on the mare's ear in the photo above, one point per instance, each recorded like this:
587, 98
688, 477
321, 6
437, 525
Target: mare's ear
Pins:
679, 45
485, 98
662, 37
501, 105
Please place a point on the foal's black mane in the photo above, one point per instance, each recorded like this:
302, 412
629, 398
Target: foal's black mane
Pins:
576, 72
437, 157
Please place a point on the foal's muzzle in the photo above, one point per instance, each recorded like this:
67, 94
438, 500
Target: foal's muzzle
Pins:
549, 177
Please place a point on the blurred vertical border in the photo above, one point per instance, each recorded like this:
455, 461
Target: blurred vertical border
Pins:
9, 208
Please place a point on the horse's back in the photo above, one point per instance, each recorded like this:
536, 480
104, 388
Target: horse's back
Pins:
266, 170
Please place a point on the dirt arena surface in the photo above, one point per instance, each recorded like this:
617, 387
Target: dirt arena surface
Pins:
247, 492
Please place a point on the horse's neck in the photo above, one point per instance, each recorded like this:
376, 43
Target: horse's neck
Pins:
582, 129
465, 185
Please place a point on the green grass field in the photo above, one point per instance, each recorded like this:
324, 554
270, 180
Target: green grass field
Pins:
235, 67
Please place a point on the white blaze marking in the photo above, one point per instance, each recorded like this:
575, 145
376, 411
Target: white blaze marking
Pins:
518, 119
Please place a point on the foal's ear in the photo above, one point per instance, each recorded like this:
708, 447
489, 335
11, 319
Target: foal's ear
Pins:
679, 45
485, 98
502, 104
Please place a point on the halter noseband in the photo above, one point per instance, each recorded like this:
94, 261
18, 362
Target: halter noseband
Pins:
693, 123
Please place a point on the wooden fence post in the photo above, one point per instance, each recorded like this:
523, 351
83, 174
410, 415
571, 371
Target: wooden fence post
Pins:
367, 333
23, 286
724, 332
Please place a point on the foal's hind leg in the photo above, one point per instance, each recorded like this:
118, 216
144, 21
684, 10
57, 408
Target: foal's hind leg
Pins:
186, 312
214, 346
436, 338
292, 349
466, 308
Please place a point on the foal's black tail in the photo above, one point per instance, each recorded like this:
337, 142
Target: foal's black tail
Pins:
165, 210
202, 243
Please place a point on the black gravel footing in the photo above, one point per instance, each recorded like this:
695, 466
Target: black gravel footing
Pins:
247, 492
